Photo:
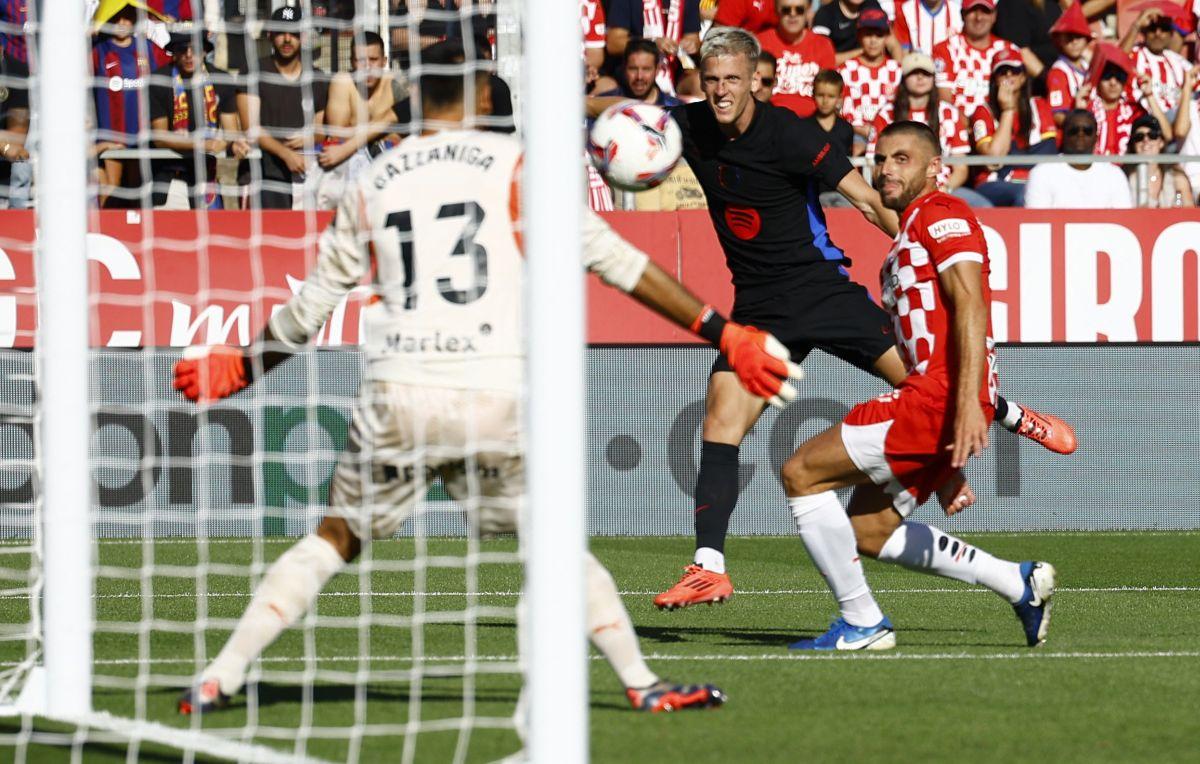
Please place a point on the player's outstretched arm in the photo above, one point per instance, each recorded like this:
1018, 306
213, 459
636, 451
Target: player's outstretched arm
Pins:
859, 193
207, 374
762, 363
962, 283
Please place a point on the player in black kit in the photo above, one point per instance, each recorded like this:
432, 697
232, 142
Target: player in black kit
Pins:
761, 169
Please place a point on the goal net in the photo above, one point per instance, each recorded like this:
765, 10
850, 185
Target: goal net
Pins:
196, 152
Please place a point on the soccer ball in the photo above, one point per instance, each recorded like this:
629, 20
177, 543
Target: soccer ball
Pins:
635, 145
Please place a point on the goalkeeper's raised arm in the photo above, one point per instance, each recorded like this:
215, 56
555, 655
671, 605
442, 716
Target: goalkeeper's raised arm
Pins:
343, 261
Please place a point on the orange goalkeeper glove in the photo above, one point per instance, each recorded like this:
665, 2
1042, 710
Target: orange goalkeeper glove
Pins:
761, 362
211, 373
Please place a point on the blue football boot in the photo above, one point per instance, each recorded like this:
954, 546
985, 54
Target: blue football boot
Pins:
1034, 606
843, 636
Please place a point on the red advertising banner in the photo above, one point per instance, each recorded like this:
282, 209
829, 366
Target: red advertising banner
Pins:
181, 278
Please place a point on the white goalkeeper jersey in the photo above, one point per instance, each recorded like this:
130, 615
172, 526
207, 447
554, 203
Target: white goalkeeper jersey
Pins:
434, 221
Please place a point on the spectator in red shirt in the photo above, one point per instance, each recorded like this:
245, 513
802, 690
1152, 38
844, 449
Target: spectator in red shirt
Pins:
1109, 98
1153, 56
1071, 35
799, 54
1012, 122
752, 15
965, 60
871, 77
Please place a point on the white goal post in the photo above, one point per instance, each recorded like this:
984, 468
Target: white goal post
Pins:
553, 644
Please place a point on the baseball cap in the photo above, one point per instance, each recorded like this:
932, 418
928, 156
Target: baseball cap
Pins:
873, 18
916, 62
184, 35
286, 14
1007, 57
969, 4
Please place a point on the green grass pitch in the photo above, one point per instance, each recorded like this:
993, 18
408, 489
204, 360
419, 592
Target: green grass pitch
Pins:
1118, 680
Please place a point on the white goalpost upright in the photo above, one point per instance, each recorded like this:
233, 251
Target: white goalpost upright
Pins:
63, 373
138, 597
555, 529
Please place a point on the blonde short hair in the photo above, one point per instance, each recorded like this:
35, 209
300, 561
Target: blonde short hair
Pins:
730, 41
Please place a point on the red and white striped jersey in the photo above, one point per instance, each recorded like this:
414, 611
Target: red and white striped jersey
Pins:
591, 19
600, 197
918, 28
1166, 72
889, 7
867, 89
966, 70
1115, 126
1062, 83
1042, 128
937, 232
952, 130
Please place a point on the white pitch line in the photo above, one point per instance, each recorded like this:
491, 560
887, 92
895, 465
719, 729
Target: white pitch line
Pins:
633, 593
1023, 654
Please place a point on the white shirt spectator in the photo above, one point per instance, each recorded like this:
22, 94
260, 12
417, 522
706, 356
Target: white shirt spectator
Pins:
1059, 186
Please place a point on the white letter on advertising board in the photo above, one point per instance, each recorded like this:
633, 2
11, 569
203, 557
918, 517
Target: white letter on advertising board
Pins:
1087, 317
1166, 281
216, 327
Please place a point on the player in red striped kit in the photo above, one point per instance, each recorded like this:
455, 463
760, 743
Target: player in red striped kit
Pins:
904, 446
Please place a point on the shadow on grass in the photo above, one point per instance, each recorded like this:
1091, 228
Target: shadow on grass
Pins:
279, 694
39, 751
726, 635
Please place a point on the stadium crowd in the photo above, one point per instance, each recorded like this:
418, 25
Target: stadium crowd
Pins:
995, 78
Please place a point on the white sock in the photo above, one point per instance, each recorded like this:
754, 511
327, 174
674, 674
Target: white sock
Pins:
827, 535
1013, 416
710, 559
922, 547
286, 593
610, 629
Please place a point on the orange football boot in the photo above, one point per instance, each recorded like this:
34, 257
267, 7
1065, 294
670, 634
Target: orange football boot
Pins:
1048, 430
697, 587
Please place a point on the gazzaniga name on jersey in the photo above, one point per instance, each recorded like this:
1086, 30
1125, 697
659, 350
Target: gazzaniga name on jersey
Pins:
472, 156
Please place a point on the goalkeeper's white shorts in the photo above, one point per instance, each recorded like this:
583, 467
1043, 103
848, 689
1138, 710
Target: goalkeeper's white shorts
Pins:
402, 437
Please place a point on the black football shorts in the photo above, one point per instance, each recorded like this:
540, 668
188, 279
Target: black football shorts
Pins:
823, 310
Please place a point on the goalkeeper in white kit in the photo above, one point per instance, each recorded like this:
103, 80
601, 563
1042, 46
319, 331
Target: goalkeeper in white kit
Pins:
437, 221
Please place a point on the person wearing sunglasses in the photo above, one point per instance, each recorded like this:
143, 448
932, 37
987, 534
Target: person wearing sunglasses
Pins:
765, 69
799, 54
1091, 185
1168, 184
1154, 58
1112, 103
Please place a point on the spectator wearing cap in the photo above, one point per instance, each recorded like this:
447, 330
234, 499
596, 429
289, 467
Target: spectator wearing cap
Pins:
964, 60
838, 20
752, 15
280, 108
193, 110
1093, 185
1071, 35
918, 100
765, 69
120, 67
799, 54
1012, 122
1167, 184
1108, 95
640, 67
924, 24
871, 77
1152, 57
673, 25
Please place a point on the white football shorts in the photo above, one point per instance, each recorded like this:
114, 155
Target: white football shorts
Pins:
403, 437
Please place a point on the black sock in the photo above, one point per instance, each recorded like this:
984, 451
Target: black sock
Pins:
716, 493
